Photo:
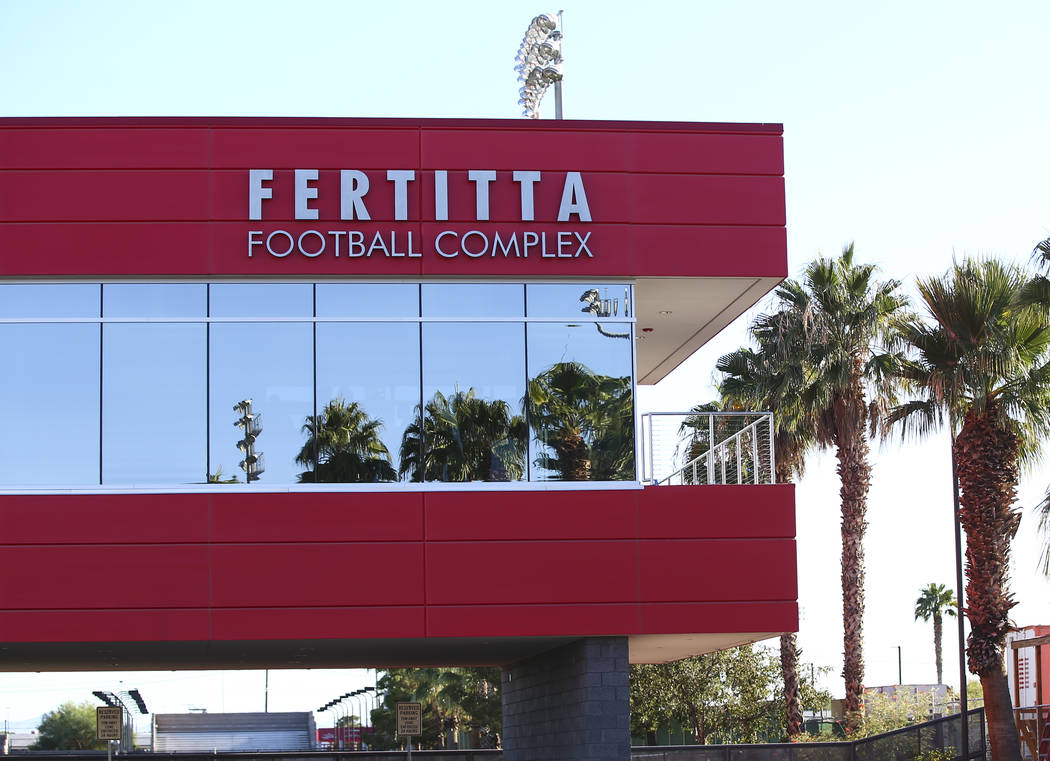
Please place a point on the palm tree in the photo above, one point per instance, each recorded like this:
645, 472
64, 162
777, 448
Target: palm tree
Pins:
767, 379
586, 419
935, 601
982, 363
464, 438
1036, 293
1043, 509
343, 446
839, 320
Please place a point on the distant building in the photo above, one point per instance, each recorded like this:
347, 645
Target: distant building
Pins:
196, 732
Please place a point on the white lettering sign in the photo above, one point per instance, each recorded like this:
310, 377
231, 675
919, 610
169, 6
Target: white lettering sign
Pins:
393, 243
354, 185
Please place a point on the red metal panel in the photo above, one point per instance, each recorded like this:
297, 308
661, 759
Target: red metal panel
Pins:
531, 572
707, 199
104, 519
685, 152
673, 213
76, 144
126, 625
290, 582
104, 196
709, 251
299, 575
704, 618
317, 517
359, 622
101, 248
717, 512
101, 576
263, 144
491, 516
524, 148
717, 570
531, 620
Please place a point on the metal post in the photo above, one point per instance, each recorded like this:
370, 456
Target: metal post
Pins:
266, 693
754, 454
710, 448
557, 84
772, 454
900, 677
410, 748
739, 460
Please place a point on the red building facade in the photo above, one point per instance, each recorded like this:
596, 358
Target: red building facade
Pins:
686, 220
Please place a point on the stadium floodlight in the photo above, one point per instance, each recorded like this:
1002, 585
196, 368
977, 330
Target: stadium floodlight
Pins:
539, 64
139, 702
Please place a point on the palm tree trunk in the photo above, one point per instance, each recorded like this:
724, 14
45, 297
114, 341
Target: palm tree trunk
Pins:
987, 463
855, 476
937, 631
789, 645
792, 694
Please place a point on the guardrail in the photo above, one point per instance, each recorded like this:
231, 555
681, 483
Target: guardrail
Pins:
707, 448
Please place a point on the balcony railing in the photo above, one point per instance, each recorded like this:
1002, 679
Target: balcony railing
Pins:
707, 448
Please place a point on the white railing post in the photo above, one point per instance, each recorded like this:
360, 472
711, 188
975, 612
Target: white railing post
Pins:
739, 461
772, 454
711, 448
754, 453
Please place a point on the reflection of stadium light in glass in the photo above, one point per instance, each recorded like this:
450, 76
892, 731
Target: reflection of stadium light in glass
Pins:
599, 307
538, 64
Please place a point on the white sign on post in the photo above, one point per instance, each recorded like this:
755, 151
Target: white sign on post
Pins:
109, 722
409, 719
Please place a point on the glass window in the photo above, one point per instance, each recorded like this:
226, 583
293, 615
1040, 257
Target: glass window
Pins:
49, 396
49, 300
373, 301
261, 300
154, 403
581, 408
265, 371
473, 385
154, 300
572, 300
482, 300
367, 397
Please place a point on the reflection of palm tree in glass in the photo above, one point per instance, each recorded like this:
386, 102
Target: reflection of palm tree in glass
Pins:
343, 446
464, 439
587, 420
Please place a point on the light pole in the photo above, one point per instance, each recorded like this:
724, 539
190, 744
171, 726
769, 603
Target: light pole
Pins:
900, 677
359, 696
538, 64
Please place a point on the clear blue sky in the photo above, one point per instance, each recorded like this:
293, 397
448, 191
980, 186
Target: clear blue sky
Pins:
919, 130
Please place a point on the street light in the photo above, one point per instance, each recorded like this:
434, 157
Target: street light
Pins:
358, 695
539, 63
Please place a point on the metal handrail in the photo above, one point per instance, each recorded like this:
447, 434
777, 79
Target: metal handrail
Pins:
719, 450
723, 461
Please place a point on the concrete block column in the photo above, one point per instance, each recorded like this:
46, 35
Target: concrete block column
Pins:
569, 704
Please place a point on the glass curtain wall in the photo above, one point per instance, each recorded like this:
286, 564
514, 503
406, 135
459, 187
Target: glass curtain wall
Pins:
276, 384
